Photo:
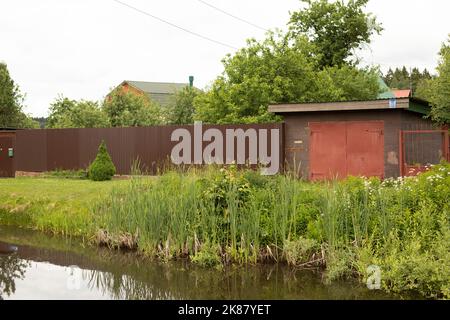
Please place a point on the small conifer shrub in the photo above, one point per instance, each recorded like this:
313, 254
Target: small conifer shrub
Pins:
102, 168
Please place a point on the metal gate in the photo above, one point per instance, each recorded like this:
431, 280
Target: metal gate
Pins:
421, 148
339, 149
6, 155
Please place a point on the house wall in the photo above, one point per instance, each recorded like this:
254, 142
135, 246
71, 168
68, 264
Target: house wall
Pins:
127, 88
297, 134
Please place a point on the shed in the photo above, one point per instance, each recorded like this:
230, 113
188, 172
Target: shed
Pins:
386, 138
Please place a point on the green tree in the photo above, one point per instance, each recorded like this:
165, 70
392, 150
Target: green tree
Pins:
401, 78
102, 168
127, 109
11, 103
278, 70
27, 122
336, 28
424, 89
440, 87
181, 111
68, 113
388, 77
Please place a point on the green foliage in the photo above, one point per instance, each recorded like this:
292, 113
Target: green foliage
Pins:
440, 98
181, 111
336, 28
11, 103
66, 174
300, 251
127, 109
102, 168
67, 113
278, 70
207, 256
400, 225
401, 78
27, 122
436, 89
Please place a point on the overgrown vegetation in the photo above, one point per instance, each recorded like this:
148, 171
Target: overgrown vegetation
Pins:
222, 216
400, 225
102, 168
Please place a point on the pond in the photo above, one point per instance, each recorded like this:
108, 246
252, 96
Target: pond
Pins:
50, 267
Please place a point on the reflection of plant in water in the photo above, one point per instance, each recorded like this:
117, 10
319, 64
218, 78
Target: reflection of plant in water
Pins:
124, 286
11, 268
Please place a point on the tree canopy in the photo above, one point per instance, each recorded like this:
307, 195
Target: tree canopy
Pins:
437, 90
181, 110
401, 78
11, 103
127, 109
336, 28
279, 69
67, 113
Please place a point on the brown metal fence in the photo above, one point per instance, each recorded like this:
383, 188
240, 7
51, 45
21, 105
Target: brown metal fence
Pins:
421, 148
50, 149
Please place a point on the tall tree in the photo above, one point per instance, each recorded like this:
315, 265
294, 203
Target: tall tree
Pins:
401, 78
67, 113
11, 102
278, 70
388, 77
127, 109
336, 28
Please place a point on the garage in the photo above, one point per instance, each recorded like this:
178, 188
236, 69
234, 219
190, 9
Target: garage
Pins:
339, 149
376, 138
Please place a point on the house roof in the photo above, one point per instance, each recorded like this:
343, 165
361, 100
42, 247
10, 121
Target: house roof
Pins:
160, 92
402, 93
410, 104
157, 87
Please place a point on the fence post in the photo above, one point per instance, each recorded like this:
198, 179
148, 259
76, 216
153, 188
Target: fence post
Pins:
400, 153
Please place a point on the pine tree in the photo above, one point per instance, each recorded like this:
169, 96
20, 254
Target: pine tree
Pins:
102, 168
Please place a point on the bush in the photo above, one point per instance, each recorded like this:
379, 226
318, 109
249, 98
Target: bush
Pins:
301, 251
102, 168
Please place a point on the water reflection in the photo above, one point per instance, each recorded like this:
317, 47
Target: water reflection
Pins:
11, 269
65, 269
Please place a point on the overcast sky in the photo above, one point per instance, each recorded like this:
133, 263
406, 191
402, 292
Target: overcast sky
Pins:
82, 48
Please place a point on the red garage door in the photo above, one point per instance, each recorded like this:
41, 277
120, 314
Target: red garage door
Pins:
339, 149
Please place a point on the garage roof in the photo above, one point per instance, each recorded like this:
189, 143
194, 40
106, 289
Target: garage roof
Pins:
410, 104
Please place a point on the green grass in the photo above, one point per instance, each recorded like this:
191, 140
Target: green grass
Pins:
62, 206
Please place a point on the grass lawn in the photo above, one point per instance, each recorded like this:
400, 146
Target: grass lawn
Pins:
56, 205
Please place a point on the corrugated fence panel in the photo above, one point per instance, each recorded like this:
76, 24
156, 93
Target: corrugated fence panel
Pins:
62, 149
50, 149
31, 150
